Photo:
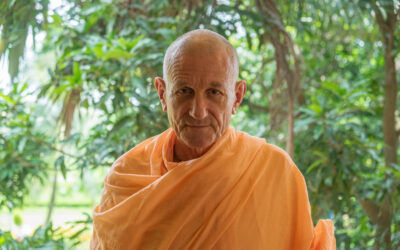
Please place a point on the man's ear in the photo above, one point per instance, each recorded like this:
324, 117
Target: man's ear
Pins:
240, 91
162, 91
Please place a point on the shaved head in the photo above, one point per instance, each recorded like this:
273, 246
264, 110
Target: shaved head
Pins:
200, 43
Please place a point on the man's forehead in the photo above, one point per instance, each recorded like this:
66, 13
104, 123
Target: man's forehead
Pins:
199, 49
203, 66
182, 83
196, 58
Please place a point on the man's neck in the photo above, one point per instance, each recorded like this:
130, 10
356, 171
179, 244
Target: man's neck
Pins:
184, 153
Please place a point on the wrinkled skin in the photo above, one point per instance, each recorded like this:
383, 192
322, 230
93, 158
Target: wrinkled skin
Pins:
200, 95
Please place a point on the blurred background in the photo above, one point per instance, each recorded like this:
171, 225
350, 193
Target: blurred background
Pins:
76, 92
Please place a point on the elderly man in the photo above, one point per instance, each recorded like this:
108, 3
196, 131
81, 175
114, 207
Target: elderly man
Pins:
201, 184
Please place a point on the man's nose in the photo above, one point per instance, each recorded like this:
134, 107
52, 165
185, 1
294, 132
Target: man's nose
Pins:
198, 109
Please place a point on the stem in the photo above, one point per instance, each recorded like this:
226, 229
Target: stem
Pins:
52, 198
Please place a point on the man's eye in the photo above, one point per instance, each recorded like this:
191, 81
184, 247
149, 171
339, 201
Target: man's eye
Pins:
184, 91
215, 92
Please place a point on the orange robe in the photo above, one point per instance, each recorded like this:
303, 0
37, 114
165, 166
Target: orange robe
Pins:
241, 194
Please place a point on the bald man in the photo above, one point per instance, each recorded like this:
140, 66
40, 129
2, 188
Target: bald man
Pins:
202, 184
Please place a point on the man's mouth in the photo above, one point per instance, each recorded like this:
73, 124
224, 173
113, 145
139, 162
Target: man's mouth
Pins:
196, 126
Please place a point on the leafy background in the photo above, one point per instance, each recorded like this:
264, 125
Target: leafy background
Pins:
76, 91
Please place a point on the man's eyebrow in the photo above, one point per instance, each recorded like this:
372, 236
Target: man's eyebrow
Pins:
216, 85
180, 84
213, 84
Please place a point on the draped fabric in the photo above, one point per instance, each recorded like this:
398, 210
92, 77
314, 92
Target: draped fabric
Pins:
241, 194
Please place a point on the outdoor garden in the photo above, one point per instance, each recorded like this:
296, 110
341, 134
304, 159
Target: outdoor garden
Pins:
77, 91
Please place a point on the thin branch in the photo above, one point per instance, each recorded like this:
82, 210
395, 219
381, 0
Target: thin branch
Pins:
371, 209
40, 141
3, 138
257, 107
265, 61
25, 162
379, 17
19, 158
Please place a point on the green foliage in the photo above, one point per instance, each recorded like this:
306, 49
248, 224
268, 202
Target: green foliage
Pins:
22, 158
17, 220
108, 53
331, 133
47, 237
16, 19
42, 238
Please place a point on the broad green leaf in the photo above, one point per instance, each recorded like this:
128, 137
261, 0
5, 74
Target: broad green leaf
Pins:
77, 72
7, 98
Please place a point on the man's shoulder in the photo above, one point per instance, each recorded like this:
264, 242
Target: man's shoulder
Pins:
270, 155
139, 156
277, 153
265, 148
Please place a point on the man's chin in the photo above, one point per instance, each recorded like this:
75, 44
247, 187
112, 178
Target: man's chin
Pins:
198, 142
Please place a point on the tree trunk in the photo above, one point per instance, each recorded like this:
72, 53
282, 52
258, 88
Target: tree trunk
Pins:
389, 108
381, 214
67, 113
290, 132
389, 131
52, 198
284, 51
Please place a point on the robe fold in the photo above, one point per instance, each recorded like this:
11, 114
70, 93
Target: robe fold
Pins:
241, 194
